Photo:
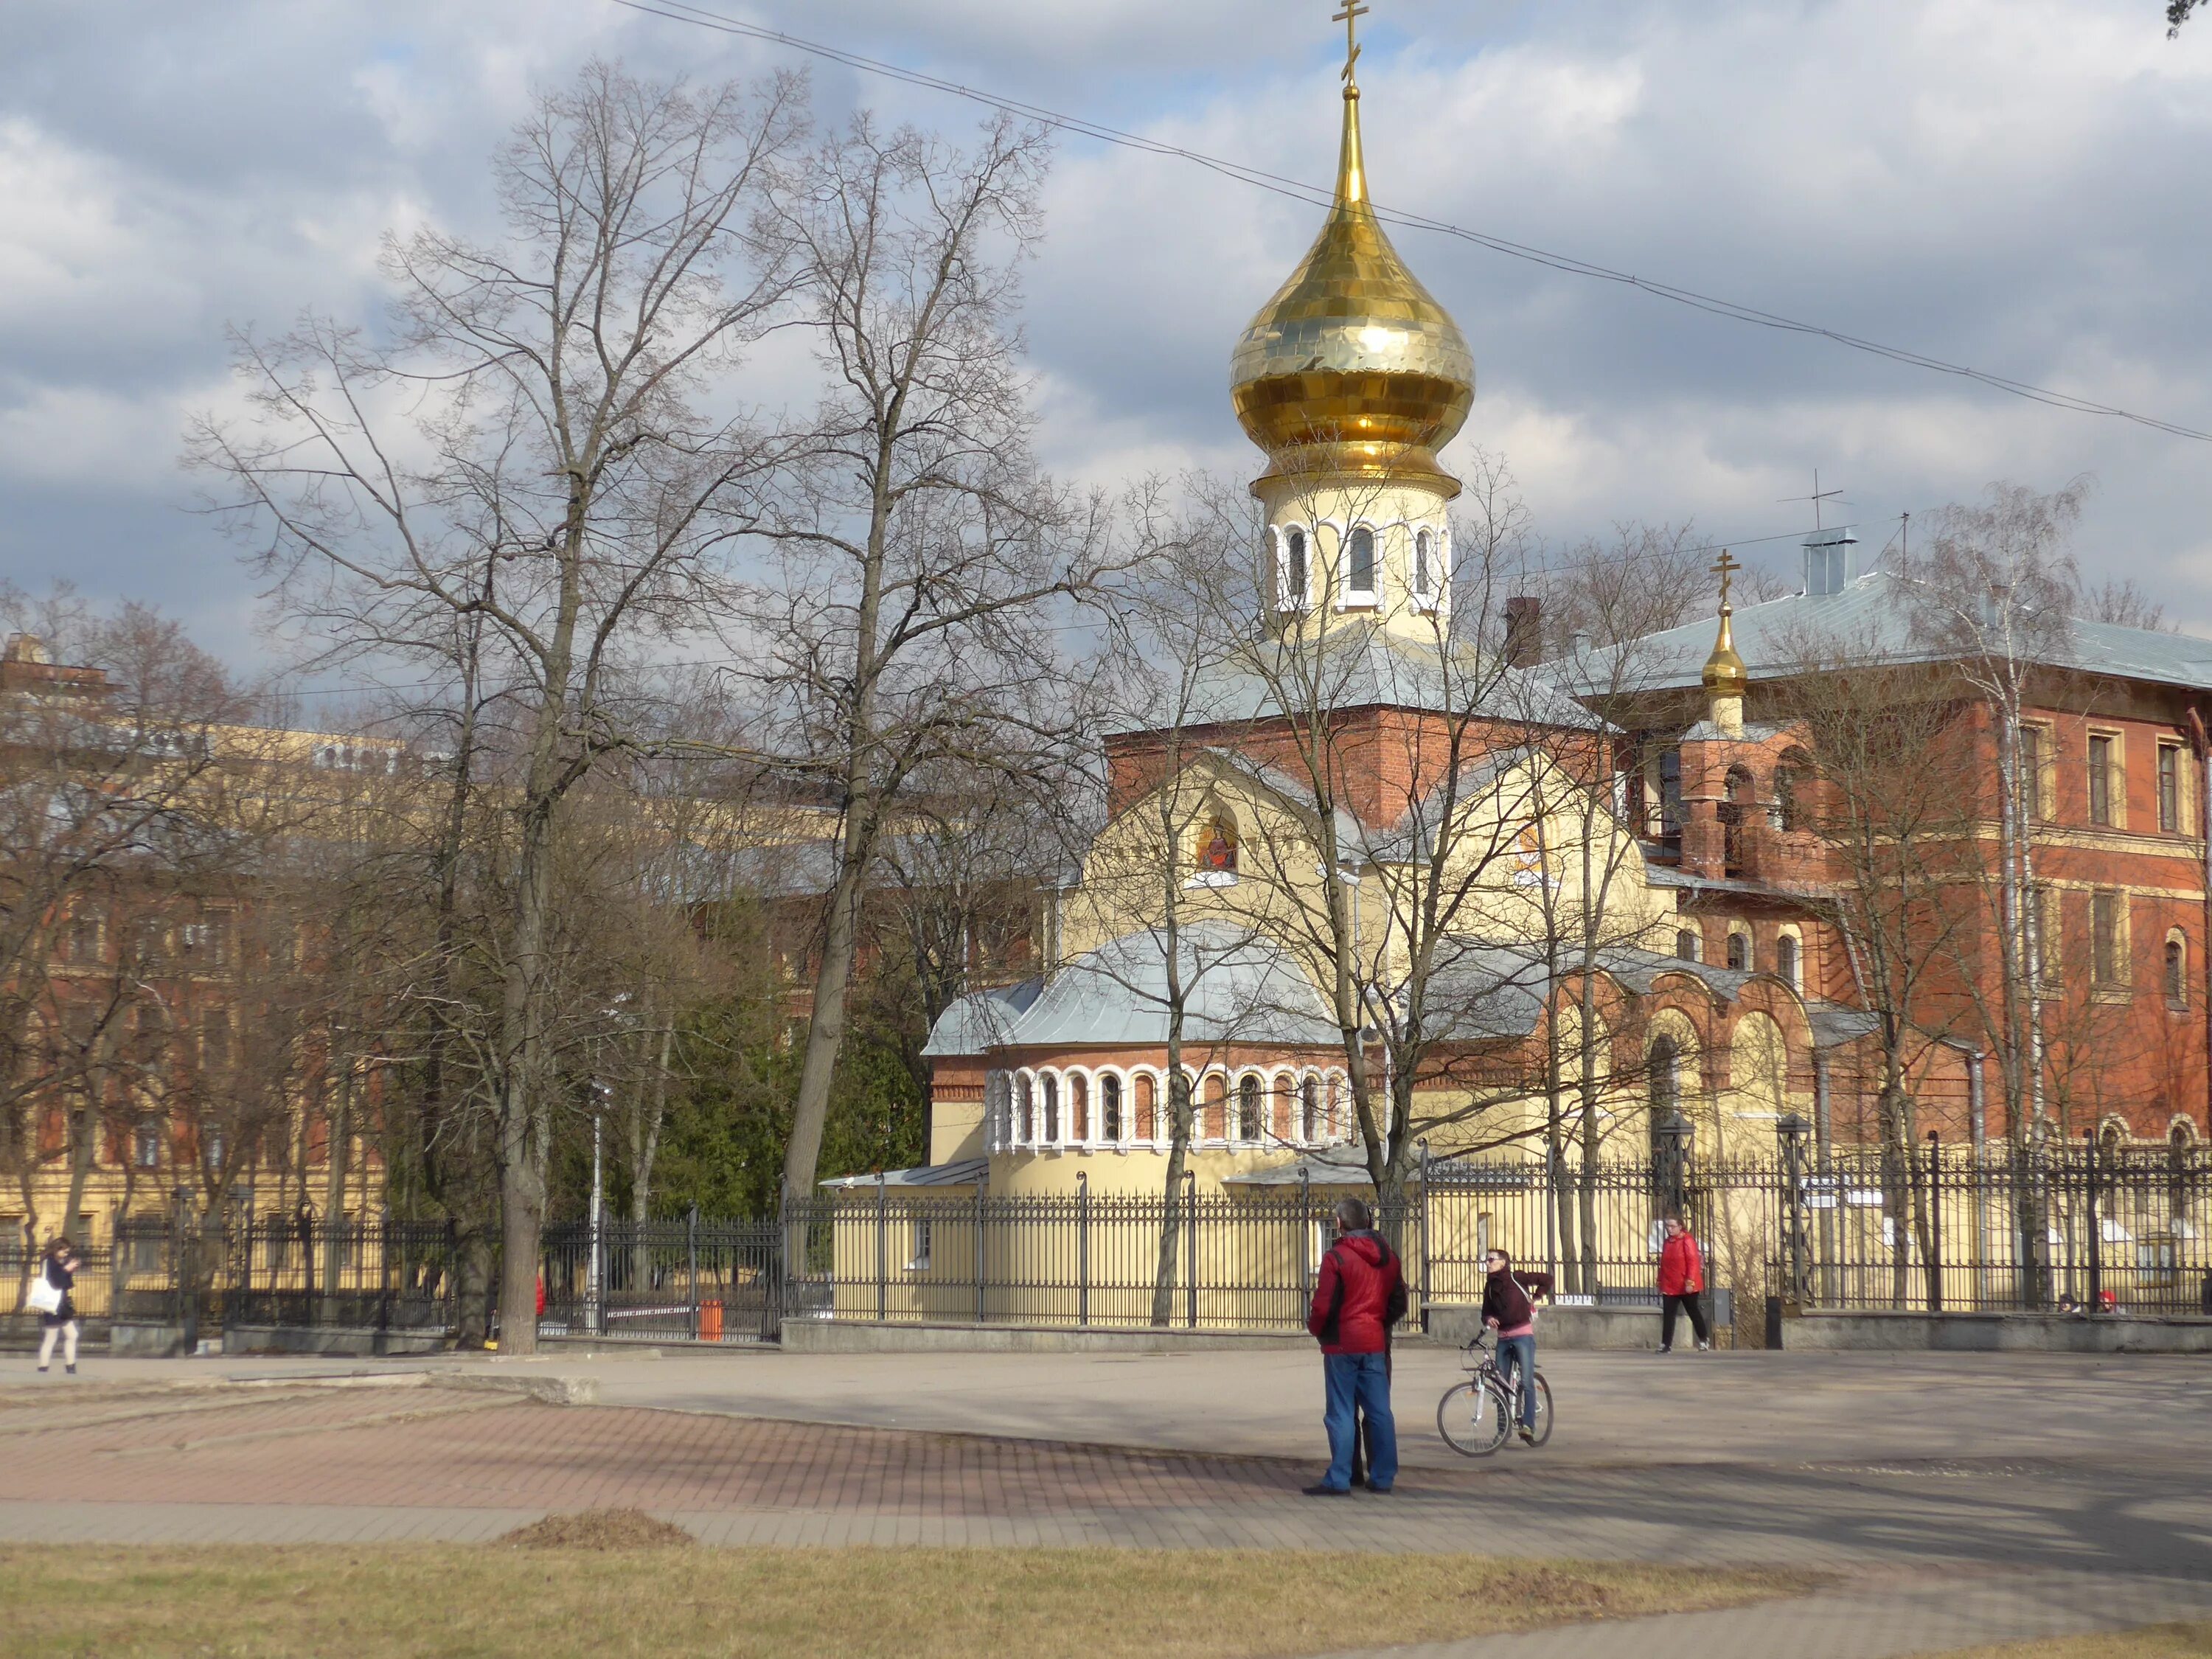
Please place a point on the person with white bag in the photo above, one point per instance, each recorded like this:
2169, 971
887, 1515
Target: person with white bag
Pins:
56, 1310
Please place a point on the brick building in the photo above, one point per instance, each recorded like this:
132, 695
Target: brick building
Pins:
2111, 905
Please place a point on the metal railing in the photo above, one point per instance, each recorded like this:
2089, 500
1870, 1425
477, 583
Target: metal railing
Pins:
685, 1280
2079, 1226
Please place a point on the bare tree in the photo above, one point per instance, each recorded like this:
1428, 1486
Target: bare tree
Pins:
1993, 593
914, 543
530, 454
1392, 882
114, 792
2119, 601
1602, 592
1885, 779
1160, 929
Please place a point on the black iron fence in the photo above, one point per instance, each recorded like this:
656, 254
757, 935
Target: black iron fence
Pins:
687, 1280
206, 1274
2079, 1226
1195, 1262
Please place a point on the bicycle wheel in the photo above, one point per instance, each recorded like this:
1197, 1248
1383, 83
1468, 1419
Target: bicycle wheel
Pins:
1543, 1409
1468, 1418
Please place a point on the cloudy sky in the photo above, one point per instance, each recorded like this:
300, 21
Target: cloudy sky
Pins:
2016, 185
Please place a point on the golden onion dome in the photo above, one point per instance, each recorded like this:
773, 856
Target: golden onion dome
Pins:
1352, 367
1725, 676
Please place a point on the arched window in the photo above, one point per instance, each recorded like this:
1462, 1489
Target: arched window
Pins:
1293, 596
1686, 943
1670, 794
1734, 812
1425, 567
1147, 1109
1217, 1107
2177, 970
1309, 1110
1051, 1109
1791, 781
1025, 1119
1078, 1109
1739, 951
1217, 844
1109, 1109
1248, 1126
1360, 565
1785, 960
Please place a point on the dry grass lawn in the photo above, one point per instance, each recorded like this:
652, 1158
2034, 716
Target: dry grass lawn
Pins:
491, 1601
2190, 1641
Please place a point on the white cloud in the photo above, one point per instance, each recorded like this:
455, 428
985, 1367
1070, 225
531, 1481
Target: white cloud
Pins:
2009, 183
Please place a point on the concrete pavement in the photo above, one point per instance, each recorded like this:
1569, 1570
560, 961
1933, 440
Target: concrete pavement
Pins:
2039, 1493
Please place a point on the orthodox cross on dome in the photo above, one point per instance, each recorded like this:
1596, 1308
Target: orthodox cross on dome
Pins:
1725, 568
1350, 16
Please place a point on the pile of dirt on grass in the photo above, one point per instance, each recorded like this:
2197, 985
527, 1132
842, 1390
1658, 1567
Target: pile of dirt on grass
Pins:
598, 1529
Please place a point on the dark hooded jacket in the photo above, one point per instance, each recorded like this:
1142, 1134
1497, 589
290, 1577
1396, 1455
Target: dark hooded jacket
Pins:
1359, 1295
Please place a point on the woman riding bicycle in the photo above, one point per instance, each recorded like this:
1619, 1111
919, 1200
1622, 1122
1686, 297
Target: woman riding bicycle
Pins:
1509, 1307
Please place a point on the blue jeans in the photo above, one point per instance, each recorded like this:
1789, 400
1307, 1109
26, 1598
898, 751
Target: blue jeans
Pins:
1517, 1361
1360, 1380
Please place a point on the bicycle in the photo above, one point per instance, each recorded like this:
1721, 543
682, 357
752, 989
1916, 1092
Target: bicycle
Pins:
1475, 1416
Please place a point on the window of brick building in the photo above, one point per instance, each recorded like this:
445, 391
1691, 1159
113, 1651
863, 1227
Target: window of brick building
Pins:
1785, 960
2103, 762
2043, 916
214, 1041
146, 1146
2033, 756
1686, 943
1739, 950
2107, 944
2177, 970
2169, 789
1309, 1110
1110, 1108
1248, 1107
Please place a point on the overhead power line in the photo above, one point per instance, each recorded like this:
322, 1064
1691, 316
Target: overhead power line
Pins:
677, 11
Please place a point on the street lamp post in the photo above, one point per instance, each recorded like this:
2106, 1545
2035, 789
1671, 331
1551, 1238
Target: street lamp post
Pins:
595, 1313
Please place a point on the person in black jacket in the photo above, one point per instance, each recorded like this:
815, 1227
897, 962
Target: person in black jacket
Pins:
59, 1270
1509, 1307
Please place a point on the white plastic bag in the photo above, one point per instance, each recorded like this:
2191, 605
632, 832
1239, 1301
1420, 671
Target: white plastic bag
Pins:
45, 1296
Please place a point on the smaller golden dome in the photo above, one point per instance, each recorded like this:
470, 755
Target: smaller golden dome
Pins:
1352, 367
1725, 675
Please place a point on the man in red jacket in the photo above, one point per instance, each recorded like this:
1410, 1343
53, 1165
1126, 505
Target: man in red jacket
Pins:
1682, 1284
1359, 1295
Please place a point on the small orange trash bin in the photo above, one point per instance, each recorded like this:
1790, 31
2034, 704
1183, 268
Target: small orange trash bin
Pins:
710, 1321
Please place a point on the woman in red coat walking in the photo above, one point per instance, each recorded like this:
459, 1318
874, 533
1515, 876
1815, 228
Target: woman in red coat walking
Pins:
1682, 1284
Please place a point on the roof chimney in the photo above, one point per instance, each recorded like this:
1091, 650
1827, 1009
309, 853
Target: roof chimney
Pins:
1831, 560
1524, 630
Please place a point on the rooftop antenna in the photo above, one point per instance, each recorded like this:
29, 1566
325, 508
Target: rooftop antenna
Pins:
1818, 496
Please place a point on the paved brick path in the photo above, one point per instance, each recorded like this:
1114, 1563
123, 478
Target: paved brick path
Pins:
1964, 1549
